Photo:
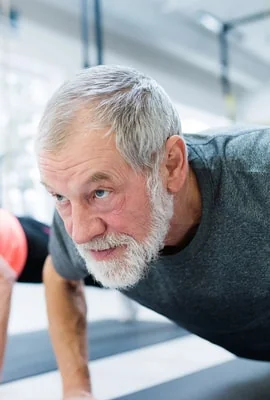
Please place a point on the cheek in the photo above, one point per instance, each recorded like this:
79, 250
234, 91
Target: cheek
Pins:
133, 217
117, 205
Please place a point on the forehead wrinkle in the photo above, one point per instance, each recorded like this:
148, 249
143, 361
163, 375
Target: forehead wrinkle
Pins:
60, 166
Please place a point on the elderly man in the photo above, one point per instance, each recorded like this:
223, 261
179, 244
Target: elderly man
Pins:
180, 223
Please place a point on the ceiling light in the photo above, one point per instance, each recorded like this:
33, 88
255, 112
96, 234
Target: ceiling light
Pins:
210, 22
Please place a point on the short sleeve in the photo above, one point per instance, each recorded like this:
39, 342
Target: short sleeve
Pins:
66, 259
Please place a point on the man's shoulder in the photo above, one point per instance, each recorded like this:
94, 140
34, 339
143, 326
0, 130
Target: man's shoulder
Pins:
240, 132
236, 146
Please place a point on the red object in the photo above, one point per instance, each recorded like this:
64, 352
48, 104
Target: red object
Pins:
13, 243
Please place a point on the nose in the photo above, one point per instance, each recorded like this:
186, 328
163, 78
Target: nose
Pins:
84, 226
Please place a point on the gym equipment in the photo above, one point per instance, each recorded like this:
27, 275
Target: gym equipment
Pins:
13, 245
226, 28
201, 371
234, 380
85, 32
31, 354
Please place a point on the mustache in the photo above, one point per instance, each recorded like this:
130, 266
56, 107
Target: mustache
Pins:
107, 242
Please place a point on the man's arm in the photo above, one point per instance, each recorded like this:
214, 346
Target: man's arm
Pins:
7, 279
67, 310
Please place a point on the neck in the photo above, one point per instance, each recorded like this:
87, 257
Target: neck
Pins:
187, 213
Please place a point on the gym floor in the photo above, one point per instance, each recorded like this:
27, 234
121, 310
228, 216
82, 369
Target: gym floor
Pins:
147, 359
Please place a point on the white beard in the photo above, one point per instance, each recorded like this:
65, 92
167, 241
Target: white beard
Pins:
127, 271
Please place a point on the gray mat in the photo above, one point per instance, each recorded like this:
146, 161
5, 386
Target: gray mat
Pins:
31, 354
234, 380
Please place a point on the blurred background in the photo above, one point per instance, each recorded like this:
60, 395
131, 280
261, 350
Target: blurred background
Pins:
212, 57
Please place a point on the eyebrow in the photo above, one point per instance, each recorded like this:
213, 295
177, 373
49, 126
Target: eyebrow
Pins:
96, 177
99, 176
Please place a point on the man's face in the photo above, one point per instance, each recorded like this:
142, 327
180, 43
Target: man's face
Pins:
116, 223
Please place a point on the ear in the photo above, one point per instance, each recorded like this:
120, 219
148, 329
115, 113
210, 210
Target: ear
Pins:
175, 164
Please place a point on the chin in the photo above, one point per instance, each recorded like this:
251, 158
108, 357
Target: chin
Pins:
116, 275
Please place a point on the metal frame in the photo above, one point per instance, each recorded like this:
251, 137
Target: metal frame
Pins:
226, 86
85, 32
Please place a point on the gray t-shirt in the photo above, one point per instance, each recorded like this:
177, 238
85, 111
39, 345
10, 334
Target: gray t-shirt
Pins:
218, 286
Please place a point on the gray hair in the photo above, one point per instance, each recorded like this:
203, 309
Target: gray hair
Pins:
131, 104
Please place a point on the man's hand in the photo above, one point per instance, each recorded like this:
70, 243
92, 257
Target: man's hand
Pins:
79, 396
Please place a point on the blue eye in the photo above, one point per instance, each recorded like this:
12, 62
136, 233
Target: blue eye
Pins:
101, 194
59, 198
